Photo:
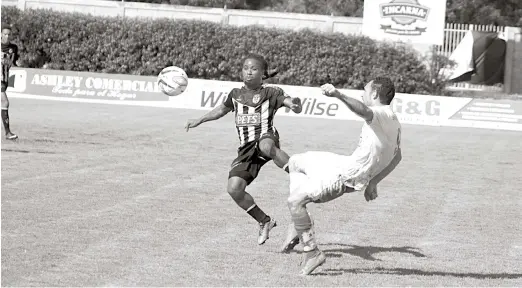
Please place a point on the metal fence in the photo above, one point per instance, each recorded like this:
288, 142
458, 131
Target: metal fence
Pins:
453, 35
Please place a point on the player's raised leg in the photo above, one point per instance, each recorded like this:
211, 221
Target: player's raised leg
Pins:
300, 189
297, 164
270, 148
245, 169
313, 178
5, 114
236, 189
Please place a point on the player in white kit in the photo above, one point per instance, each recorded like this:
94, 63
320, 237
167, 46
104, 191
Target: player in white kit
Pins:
323, 176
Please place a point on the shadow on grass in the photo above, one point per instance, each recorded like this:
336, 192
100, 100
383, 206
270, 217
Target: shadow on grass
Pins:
64, 141
417, 272
368, 252
27, 151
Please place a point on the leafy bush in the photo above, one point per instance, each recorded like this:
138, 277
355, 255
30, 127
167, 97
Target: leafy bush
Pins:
207, 50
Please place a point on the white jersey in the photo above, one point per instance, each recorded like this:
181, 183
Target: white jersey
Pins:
378, 145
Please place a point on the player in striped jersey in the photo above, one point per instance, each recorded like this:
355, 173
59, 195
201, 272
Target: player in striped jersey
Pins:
255, 106
9, 58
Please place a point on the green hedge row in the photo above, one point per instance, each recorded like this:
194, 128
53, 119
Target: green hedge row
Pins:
206, 50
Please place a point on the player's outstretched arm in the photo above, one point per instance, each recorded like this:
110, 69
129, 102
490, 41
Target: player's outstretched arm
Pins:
283, 99
355, 105
214, 114
371, 191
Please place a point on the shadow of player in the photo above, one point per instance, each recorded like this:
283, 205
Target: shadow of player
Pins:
368, 252
417, 272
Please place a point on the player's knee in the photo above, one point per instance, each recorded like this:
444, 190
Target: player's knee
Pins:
235, 191
5, 101
267, 147
236, 188
295, 202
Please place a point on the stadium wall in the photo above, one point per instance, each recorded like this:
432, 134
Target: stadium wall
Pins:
201, 94
294, 21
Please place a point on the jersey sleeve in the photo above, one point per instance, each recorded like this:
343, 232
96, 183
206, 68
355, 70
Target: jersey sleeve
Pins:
228, 103
279, 96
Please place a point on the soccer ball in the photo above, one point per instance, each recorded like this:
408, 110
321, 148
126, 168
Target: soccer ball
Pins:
172, 81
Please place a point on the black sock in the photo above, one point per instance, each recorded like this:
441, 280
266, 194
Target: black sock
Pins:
5, 120
258, 214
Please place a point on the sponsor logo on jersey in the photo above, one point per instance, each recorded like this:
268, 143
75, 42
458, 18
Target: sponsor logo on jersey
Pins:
243, 120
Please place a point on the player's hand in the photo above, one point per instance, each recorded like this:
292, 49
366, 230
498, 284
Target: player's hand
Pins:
297, 106
370, 193
329, 90
192, 123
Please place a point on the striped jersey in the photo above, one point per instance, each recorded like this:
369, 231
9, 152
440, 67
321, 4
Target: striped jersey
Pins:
9, 58
255, 111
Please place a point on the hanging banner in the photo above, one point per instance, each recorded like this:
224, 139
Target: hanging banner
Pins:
413, 21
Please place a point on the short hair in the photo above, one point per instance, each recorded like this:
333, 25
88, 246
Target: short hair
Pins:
264, 63
384, 88
5, 26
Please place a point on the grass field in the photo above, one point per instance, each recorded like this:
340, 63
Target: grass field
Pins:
106, 195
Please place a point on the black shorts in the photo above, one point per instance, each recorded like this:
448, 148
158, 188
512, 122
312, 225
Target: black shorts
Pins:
4, 86
249, 160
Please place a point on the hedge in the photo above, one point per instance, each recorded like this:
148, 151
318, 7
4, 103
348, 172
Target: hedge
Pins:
207, 50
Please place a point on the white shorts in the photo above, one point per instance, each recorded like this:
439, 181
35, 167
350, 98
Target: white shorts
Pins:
319, 174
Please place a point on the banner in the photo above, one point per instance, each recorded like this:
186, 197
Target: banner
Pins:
414, 21
208, 94
314, 104
497, 111
479, 58
86, 85
410, 108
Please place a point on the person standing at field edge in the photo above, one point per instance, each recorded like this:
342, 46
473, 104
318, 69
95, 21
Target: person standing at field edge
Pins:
9, 58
